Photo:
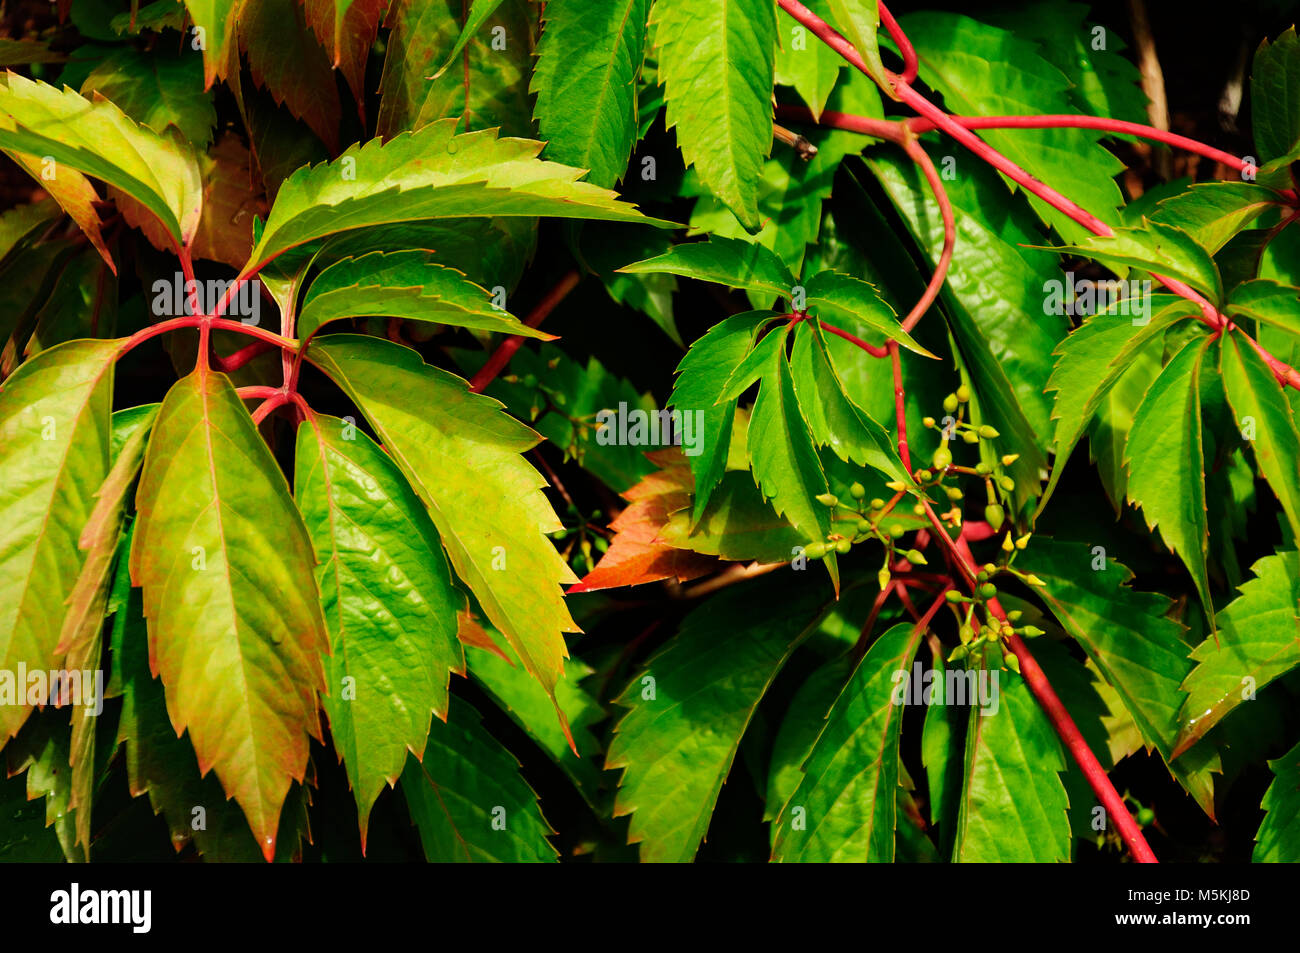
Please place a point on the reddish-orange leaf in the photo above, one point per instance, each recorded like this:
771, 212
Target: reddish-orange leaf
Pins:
636, 554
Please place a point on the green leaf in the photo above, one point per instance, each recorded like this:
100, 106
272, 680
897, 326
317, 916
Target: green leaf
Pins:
235, 625
996, 286
942, 755
702, 378
527, 703
42, 751
1274, 92
1155, 247
1256, 642
80, 640
480, 11
24, 838
156, 17
54, 427
388, 602
847, 794
22, 221
101, 141
496, 93
1013, 804
564, 406
716, 62
588, 61
408, 285
216, 19
164, 766
1092, 359
691, 706
811, 67
738, 524
1113, 420
469, 802
1268, 302
465, 462
1128, 636
792, 190
429, 174
1278, 840
983, 71
1165, 458
1103, 81
158, 90
832, 295
726, 261
834, 420
1262, 412
858, 20
1212, 213
800, 726
1000, 335
781, 453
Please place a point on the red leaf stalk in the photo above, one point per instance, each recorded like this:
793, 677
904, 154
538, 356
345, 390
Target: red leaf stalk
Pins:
506, 349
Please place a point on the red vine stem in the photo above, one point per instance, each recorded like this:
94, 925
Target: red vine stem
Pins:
198, 321
854, 339
887, 129
1033, 674
919, 125
931, 174
904, 45
506, 349
941, 120
903, 451
1068, 731
241, 357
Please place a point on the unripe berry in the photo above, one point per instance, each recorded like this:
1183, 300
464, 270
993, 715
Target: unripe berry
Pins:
1009, 458
843, 546
1007, 484
864, 526
815, 550
988, 433
927, 422
857, 491
953, 596
942, 458
950, 403
988, 590
923, 475
994, 515
828, 499
970, 436
963, 393
896, 530
983, 469
877, 504
953, 493
915, 556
